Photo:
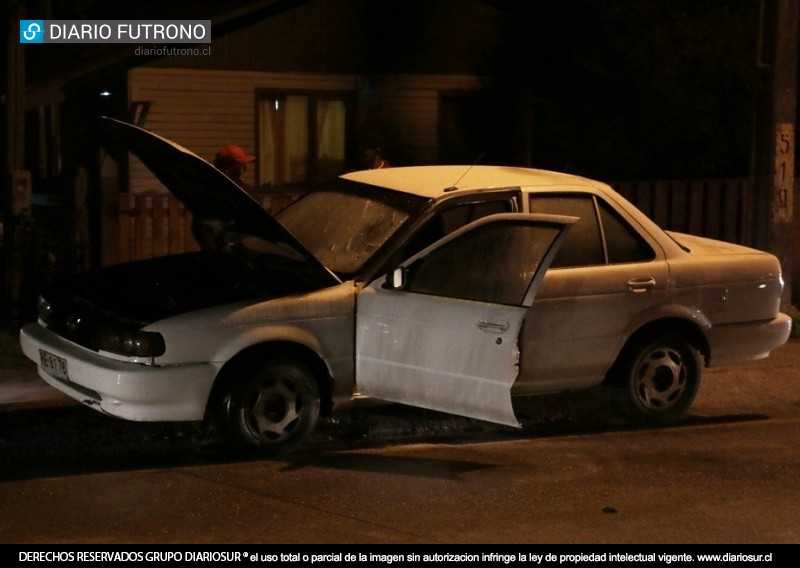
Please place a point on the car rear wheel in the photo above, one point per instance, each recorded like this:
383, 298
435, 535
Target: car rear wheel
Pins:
656, 380
270, 406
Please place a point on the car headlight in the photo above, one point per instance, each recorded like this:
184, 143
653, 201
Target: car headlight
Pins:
131, 343
101, 336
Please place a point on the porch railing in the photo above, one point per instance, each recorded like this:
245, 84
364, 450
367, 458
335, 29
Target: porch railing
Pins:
157, 225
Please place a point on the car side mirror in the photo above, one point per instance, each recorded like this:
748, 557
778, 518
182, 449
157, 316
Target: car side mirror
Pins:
396, 279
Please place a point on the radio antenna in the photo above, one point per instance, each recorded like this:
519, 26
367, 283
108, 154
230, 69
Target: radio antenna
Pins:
455, 185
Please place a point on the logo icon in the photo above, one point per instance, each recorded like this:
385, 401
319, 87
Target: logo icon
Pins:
31, 31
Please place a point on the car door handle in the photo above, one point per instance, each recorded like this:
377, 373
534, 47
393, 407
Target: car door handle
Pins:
492, 326
642, 284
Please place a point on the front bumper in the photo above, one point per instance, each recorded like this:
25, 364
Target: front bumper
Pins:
134, 391
736, 343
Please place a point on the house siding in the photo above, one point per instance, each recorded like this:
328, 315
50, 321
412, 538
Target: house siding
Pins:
204, 110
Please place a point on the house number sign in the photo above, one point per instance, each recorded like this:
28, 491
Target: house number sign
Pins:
784, 172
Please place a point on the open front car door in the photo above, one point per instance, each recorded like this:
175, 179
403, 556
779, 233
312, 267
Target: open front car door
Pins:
441, 331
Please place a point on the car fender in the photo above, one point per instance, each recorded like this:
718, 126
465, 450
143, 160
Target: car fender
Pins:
692, 315
318, 321
279, 333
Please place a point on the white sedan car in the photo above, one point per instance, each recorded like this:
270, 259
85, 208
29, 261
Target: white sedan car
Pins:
446, 287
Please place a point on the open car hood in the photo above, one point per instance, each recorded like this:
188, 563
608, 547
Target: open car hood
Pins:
236, 218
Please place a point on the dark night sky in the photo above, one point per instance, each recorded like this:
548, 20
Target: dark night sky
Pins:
621, 89
636, 89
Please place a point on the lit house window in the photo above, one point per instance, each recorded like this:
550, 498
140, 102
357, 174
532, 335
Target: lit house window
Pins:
302, 138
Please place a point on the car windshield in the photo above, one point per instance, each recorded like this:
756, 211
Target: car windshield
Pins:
345, 223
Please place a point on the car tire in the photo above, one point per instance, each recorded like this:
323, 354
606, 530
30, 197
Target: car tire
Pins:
656, 380
270, 407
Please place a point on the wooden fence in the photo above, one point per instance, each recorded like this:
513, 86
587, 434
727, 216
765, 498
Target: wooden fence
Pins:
719, 209
156, 225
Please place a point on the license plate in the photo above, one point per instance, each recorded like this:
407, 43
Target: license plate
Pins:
53, 364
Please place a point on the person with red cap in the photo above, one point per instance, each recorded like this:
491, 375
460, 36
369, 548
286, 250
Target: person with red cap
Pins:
232, 161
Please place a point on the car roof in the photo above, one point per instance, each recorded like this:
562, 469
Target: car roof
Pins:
435, 181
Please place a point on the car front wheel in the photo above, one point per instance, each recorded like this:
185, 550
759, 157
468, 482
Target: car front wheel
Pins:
271, 406
656, 380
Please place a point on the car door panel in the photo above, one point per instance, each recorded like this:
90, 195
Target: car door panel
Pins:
449, 353
453, 365
578, 322
607, 274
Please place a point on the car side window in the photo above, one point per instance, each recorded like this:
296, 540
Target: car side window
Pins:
583, 245
622, 242
451, 219
458, 269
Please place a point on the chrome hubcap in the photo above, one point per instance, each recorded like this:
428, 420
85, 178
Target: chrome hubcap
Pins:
660, 379
274, 409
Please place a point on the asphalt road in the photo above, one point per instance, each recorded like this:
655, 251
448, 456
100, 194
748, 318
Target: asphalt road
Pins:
728, 474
